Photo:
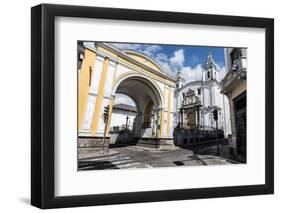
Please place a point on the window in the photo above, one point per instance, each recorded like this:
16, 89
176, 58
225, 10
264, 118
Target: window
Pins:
208, 74
235, 54
90, 75
198, 91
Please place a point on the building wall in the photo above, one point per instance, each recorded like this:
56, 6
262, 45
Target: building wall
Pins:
84, 84
119, 118
210, 97
111, 68
234, 85
239, 88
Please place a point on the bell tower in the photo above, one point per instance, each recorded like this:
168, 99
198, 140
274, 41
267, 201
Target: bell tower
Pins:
180, 80
210, 71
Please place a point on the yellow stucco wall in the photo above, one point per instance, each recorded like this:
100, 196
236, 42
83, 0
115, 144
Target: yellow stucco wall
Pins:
83, 87
107, 52
144, 61
100, 96
111, 102
83, 83
141, 59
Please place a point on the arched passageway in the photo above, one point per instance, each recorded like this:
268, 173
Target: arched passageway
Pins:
148, 103
106, 71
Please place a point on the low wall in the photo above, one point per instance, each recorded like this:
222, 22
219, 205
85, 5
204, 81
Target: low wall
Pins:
185, 137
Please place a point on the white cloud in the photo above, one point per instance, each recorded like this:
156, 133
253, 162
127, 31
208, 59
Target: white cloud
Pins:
162, 57
194, 58
171, 64
192, 74
195, 74
123, 46
178, 58
222, 71
147, 49
150, 50
163, 60
167, 67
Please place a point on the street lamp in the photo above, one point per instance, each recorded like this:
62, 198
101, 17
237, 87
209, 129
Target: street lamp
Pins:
215, 116
127, 118
105, 120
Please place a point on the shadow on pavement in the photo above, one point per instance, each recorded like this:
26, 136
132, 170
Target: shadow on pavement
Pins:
191, 158
179, 163
210, 149
97, 165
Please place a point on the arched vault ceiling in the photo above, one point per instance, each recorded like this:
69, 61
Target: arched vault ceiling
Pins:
139, 90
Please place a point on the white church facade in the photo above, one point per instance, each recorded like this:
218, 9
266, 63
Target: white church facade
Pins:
195, 102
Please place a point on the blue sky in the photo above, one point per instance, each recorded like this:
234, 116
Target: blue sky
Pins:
191, 59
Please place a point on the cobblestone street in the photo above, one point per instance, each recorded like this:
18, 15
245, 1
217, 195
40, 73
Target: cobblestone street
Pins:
124, 157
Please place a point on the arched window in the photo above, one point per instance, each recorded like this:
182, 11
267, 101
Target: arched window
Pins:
208, 74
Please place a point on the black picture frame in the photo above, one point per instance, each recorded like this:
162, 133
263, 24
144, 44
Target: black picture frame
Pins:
43, 105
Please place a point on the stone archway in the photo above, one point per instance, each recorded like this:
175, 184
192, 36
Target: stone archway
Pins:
148, 100
106, 71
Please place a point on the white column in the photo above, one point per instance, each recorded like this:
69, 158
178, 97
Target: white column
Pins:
92, 96
165, 112
213, 96
206, 97
233, 124
171, 113
88, 116
106, 95
109, 78
206, 119
96, 74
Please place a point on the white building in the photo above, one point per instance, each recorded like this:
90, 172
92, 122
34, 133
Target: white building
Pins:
234, 85
123, 117
195, 102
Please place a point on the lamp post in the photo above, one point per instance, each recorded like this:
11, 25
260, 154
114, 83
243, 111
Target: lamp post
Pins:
105, 119
127, 118
215, 116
